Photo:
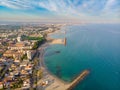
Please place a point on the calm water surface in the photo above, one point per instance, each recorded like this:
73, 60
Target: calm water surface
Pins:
95, 47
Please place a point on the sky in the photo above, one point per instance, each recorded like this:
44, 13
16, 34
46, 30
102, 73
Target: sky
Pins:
60, 10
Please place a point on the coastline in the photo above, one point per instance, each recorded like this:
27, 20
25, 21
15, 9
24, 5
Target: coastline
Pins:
47, 75
45, 67
53, 74
55, 83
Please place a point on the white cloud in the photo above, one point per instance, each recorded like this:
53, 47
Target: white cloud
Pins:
2, 3
66, 8
16, 4
48, 5
109, 4
61, 7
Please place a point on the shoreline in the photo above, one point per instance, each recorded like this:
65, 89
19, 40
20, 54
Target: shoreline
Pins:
42, 58
57, 83
46, 68
47, 75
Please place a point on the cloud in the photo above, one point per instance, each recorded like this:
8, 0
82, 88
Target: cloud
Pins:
109, 5
16, 4
111, 8
67, 8
63, 7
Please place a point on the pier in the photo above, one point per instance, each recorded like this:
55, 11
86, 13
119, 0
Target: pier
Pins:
78, 79
61, 85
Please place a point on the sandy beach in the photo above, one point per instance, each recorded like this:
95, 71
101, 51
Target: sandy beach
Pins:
53, 82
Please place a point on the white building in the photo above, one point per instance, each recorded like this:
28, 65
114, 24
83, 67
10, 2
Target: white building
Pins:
19, 39
26, 84
30, 54
1, 85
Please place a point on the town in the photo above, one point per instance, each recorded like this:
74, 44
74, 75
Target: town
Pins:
19, 54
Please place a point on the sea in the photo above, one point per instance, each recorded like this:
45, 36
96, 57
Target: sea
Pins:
95, 47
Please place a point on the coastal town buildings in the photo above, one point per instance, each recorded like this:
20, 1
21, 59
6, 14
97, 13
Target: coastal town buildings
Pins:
18, 53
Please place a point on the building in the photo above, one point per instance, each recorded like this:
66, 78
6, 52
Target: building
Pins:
20, 46
19, 39
26, 84
30, 54
14, 54
1, 85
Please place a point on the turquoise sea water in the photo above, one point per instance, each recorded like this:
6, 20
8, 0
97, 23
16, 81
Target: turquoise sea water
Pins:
93, 46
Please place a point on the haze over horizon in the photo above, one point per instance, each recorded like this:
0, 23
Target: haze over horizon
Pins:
60, 10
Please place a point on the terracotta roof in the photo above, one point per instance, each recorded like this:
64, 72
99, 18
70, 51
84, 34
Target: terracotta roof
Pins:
21, 44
